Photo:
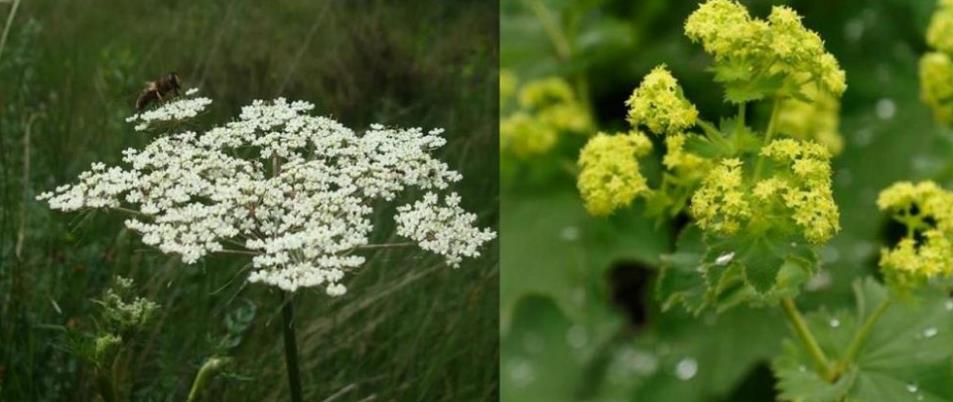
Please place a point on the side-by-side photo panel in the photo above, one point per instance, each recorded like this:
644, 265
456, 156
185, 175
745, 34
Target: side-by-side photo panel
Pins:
238, 200
726, 200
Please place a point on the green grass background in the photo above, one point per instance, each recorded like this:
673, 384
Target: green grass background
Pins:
409, 329
577, 309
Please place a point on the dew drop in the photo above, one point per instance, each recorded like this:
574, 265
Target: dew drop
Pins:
576, 336
686, 369
854, 29
817, 282
949, 305
835, 323
522, 373
725, 259
886, 108
640, 362
930, 332
863, 137
912, 387
569, 233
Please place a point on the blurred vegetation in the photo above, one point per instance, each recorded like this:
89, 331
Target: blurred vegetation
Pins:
409, 328
580, 320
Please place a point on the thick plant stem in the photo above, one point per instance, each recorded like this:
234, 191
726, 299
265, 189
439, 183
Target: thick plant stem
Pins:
807, 337
861, 336
291, 346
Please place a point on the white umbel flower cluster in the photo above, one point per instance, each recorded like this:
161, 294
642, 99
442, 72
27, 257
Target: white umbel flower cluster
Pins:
177, 110
295, 192
446, 229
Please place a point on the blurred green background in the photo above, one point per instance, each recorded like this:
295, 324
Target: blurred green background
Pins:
578, 313
409, 328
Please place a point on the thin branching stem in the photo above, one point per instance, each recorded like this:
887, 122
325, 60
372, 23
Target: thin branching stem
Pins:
9, 24
861, 336
385, 245
807, 338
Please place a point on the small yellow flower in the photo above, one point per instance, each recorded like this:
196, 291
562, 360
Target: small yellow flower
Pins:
721, 204
569, 117
547, 108
927, 250
610, 178
816, 120
940, 30
806, 188
723, 27
755, 48
545, 92
524, 136
659, 104
936, 84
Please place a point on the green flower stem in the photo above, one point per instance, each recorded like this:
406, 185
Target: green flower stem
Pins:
291, 346
550, 26
208, 370
768, 134
807, 337
858, 342
562, 45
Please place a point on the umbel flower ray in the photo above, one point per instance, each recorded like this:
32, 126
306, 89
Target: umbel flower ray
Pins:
296, 192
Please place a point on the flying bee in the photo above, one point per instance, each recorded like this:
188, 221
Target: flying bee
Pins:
156, 90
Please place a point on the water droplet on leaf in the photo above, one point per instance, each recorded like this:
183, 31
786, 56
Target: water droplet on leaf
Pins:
725, 259
686, 369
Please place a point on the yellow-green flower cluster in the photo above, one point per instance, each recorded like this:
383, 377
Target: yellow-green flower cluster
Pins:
799, 193
609, 176
722, 204
804, 188
940, 30
752, 48
547, 107
936, 84
658, 103
523, 135
816, 120
926, 210
936, 68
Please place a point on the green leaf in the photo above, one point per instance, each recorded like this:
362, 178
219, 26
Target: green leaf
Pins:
555, 248
723, 272
680, 279
908, 355
537, 362
686, 358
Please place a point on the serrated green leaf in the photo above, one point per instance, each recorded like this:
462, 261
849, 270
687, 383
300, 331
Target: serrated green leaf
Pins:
680, 280
797, 381
907, 356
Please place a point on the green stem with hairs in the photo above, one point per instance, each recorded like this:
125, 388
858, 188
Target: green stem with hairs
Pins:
807, 338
